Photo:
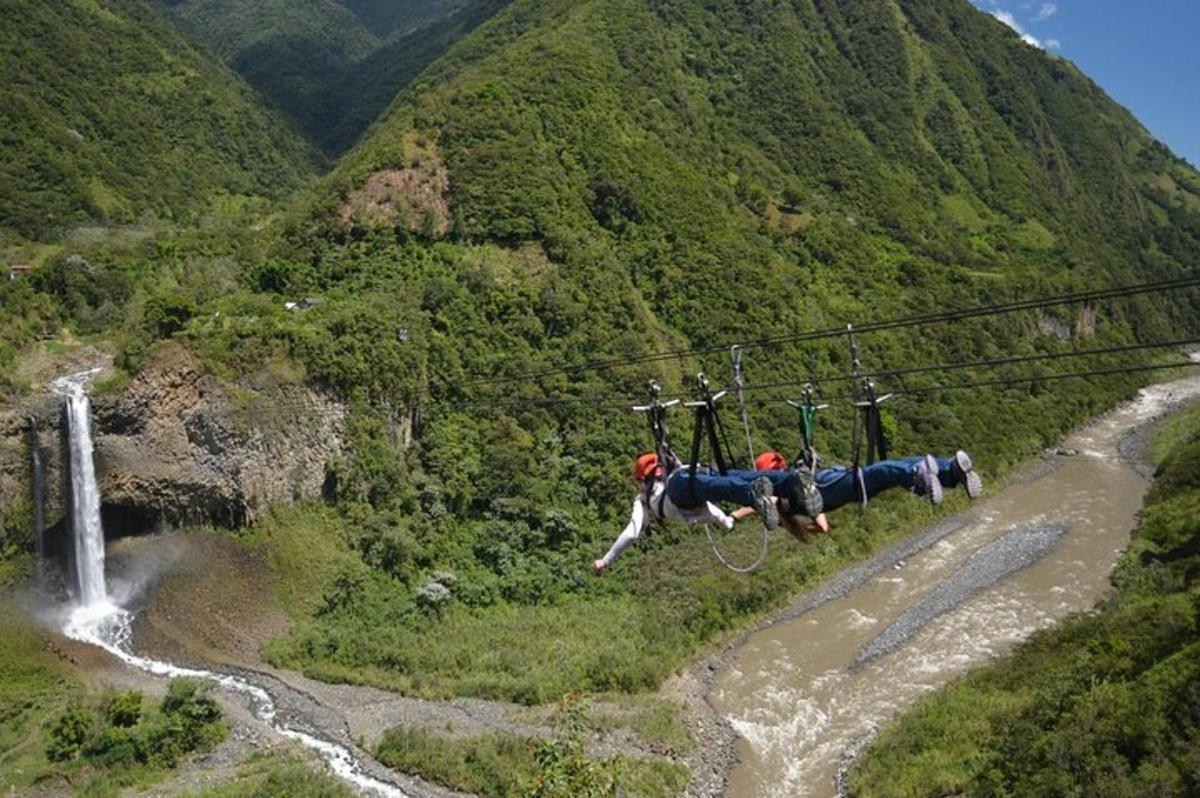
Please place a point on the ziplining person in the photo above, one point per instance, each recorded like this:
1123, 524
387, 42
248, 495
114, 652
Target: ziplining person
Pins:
924, 475
776, 491
688, 495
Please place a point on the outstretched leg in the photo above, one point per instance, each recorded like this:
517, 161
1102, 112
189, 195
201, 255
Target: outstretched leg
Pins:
958, 471
837, 484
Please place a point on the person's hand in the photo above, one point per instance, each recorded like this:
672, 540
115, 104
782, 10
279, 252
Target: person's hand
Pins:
598, 567
820, 523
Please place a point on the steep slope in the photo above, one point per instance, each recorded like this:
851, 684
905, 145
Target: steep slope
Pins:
331, 66
290, 51
924, 118
106, 112
370, 85
576, 182
401, 17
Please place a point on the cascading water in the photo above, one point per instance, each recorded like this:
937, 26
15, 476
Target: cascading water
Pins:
37, 480
97, 620
86, 531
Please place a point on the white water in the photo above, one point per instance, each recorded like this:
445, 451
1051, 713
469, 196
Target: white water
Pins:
97, 620
85, 496
109, 627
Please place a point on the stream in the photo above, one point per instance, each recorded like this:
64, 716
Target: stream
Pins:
809, 692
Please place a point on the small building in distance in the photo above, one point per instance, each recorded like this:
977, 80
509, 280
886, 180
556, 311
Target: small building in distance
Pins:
17, 267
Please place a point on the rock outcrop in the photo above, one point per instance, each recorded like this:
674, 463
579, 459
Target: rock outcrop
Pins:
177, 445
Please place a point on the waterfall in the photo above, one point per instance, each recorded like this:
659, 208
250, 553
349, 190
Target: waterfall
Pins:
86, 530
99, 621
37, 478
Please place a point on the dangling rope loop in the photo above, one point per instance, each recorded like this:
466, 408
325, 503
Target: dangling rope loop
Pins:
739, 382
708, 427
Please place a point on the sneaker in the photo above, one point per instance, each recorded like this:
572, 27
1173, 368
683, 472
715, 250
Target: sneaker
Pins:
764, 502
928, 483
805, 497
966, 475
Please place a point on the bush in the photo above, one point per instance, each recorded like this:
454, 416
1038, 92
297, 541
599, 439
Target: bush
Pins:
68, 734
124, 709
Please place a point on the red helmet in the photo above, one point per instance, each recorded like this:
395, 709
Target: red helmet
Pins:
770, 461
644, 466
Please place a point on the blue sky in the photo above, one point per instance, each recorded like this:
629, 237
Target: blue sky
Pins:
1145, 53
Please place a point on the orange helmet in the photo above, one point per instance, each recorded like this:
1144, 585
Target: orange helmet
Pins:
770, 461
644, 466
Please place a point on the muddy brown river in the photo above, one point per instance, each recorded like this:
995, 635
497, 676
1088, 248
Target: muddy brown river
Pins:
807, 693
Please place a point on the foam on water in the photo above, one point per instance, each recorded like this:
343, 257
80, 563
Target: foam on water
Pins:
107, 626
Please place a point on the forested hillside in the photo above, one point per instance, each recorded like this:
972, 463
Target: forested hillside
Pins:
107, 113
290, 51
389, 17
582, 180
332, 66
1104, 705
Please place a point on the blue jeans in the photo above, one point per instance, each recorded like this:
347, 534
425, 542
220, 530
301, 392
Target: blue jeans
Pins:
688, 493
837, 483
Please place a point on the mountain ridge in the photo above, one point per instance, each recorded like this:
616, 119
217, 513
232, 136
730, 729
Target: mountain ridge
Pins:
109, 113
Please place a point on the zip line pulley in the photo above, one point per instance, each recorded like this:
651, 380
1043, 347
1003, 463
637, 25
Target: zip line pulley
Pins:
656, 415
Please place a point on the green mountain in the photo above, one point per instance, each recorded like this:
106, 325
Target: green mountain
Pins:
291, 52
107, 113
581, 181
370, 85
401, 17
331, 66
773, 123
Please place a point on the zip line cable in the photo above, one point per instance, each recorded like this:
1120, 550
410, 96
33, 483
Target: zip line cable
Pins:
992, 363
955, 315
1009, 381
616, 401
1115, 292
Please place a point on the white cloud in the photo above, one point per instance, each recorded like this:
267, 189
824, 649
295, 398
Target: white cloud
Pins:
1053, 44
1047, 10
1008, 19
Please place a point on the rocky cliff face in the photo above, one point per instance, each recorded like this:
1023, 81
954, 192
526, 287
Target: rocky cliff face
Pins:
176, 445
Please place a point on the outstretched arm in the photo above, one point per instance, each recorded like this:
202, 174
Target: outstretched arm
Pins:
799, 530
637, 520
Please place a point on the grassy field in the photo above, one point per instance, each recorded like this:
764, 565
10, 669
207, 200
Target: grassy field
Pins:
502, 765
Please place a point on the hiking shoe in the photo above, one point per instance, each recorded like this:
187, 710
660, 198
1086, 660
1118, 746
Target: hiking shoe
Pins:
764, 502
928, 483
966, 475
805, 497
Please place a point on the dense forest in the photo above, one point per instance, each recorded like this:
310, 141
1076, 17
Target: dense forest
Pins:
108, 113
563, 182
332, 67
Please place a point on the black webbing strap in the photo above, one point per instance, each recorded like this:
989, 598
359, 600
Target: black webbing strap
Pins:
708, 428
877, 445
